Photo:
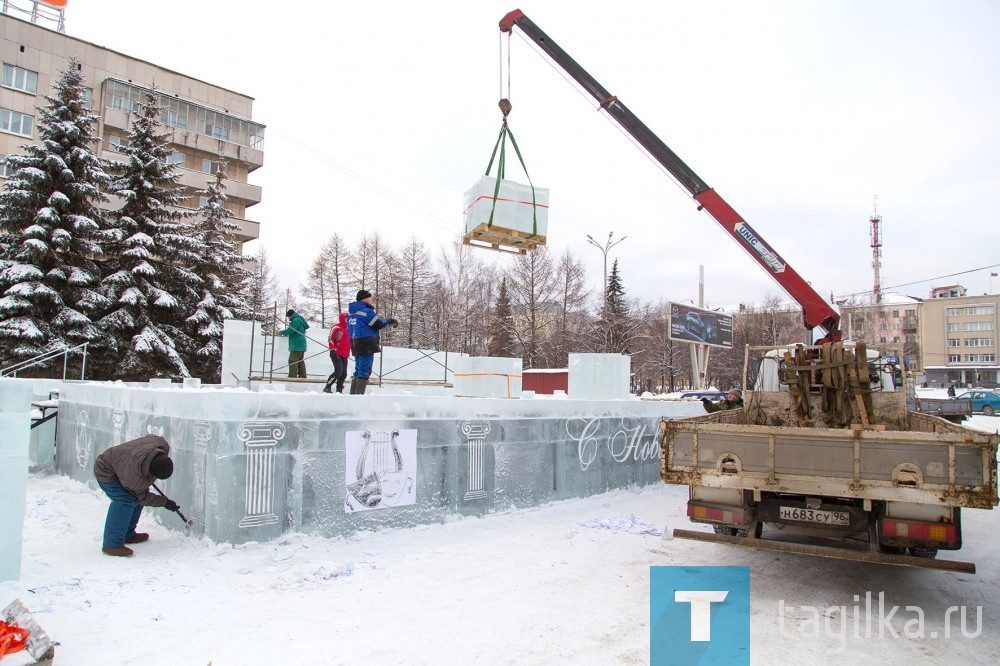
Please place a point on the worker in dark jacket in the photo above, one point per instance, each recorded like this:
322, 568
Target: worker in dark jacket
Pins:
297, 344
734, 400
364, 324
125, 473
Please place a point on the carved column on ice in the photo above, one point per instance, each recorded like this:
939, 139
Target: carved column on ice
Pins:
476, 433
260, 439
202, 432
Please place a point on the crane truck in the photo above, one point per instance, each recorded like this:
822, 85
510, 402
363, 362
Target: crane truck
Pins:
821, 453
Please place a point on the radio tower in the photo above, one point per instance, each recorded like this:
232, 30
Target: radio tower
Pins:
875, 220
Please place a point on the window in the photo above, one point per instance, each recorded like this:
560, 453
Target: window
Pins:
174, 119
952, 328
217, 132
896, 339
202, 202
117, 144
979, 342
15, 123
175, 157
954, 358
123, 104
895, 314
954, 342
5, 170
87, 95
20, 79
978, 326
980, 358
910, 313
208, 166
979, 310
881, 340
952, 312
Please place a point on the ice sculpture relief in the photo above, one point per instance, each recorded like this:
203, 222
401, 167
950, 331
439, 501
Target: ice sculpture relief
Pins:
381, 469
83, 440
476, 433
260, 439
629, 441
118, 426
202, 432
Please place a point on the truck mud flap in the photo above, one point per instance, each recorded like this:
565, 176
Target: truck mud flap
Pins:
829, 551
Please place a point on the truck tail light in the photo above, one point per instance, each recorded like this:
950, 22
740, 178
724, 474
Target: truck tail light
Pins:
715, 514
919, 531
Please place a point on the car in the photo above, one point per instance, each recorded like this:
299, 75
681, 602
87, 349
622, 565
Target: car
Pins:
983, 401
698, 328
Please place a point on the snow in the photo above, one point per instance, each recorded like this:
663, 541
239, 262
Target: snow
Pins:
566, 582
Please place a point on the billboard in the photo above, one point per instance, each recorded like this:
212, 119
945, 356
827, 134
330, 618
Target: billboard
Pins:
706, 327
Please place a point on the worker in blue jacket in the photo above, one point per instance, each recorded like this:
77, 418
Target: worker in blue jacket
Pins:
363, 325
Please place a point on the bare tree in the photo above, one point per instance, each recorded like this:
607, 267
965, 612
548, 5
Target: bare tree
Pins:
531, 280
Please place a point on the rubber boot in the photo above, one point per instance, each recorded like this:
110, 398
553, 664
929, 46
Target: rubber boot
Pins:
362, 385
354, 385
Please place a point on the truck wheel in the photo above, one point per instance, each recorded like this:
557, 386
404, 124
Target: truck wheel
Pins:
987, 410
724, 530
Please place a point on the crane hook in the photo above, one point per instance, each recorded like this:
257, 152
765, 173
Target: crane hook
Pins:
505, 107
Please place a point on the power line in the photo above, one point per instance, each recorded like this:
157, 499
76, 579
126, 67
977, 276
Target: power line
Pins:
940, 277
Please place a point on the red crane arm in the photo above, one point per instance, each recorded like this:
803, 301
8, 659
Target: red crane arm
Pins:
815, 310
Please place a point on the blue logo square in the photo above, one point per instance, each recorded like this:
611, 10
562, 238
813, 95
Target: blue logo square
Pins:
699, 615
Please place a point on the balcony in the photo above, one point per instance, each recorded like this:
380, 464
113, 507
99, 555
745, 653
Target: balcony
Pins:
211, 146
909, 325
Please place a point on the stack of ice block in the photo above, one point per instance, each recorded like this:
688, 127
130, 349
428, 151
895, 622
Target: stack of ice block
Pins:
599, 376
488, 377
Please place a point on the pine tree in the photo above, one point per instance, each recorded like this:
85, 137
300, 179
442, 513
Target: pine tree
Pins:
49, 225
501, 331
220, 268
151, 286
617, 328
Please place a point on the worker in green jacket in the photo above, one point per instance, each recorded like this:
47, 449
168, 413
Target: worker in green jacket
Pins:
296, 333
734, 400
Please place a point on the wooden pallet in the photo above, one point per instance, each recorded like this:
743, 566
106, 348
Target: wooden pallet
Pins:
502, 239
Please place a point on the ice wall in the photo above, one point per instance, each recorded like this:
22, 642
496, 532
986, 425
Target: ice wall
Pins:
252, 465
15, 428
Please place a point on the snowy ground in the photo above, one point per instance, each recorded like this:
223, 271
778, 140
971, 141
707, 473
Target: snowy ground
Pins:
563, 583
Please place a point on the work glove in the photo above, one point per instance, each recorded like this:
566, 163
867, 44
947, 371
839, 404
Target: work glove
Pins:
393, 323
171, 505
706, 401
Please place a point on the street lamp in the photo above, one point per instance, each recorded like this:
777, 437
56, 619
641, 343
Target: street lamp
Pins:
604, 251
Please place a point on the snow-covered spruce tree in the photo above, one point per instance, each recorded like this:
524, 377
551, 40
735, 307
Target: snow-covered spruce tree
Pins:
151, 284
220, 267
49, 224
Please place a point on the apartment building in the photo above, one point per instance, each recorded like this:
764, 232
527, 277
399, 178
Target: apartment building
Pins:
890, 326
207, 123
959, 334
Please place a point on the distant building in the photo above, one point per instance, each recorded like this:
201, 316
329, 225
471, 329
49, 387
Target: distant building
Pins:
208, 123
959, 335
890, 326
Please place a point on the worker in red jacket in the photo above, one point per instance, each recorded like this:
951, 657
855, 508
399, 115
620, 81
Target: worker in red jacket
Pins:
340, 352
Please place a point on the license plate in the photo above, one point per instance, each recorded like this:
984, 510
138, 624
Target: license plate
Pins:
814, 515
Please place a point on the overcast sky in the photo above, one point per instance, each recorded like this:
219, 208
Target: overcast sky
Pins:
379, 117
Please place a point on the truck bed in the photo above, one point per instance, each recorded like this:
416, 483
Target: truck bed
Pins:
903, 456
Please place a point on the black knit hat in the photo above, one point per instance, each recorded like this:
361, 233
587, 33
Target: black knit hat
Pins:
161, 466
363, 294
290, 312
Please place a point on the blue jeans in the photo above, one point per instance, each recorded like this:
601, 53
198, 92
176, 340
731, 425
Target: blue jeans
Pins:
363, 365
123, 514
